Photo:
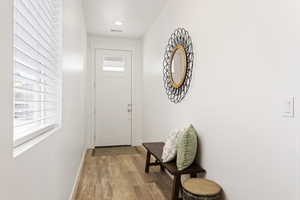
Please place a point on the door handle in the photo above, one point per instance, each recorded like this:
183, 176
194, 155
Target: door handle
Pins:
129, 107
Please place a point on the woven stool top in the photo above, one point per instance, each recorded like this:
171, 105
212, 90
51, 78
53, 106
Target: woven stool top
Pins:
200, 186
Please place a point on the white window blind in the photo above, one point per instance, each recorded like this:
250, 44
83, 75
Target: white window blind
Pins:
37, 58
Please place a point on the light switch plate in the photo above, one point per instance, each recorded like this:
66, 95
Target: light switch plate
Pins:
289, 107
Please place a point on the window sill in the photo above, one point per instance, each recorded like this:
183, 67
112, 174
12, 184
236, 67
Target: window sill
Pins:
20, 149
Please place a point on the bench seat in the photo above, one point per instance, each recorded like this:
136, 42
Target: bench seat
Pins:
155, 149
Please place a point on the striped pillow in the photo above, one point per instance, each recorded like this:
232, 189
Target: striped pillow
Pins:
187, 148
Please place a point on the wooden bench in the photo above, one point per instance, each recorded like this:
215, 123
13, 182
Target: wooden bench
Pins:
155, 149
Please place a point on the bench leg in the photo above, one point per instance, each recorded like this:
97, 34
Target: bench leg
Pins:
147, 162
162, 168
175, 187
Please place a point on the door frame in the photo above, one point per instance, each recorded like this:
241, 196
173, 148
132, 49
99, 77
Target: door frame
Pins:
94, 92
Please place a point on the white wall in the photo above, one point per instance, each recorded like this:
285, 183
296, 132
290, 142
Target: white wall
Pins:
47, 170
246, 65
135, 46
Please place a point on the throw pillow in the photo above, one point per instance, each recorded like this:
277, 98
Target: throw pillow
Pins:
187, 148
169, 150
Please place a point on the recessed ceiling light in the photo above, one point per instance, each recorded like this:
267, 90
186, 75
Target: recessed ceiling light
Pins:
118, 23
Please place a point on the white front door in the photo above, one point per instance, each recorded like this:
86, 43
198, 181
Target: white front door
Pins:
113, 98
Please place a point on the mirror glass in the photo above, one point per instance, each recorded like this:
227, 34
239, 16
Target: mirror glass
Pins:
178, 66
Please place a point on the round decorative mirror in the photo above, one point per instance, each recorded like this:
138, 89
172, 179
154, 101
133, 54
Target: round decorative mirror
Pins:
178, 65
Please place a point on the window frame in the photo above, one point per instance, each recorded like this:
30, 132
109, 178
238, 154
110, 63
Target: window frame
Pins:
28, 136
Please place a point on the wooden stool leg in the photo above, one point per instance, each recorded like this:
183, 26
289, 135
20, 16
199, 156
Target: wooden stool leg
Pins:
147, 162
176, 187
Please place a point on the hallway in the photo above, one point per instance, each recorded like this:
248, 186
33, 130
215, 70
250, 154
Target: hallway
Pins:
211, 84
118, 176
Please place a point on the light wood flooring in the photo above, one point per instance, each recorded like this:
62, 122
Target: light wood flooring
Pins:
121, 177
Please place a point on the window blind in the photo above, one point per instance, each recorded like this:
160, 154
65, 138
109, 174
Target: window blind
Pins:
37, 58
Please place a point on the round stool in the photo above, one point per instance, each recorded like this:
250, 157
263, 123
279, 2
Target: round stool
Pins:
201, 189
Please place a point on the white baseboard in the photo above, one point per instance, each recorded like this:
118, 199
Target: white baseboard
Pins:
137, 142
78, 174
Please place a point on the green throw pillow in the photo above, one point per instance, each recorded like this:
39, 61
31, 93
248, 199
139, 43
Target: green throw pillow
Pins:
187, 148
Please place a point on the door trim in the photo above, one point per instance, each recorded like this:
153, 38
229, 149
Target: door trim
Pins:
94, 94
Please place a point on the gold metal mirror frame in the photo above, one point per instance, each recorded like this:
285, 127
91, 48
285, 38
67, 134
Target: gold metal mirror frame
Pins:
180, 40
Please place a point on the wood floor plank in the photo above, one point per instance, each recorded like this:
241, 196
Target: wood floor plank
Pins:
155, 192
121, 177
